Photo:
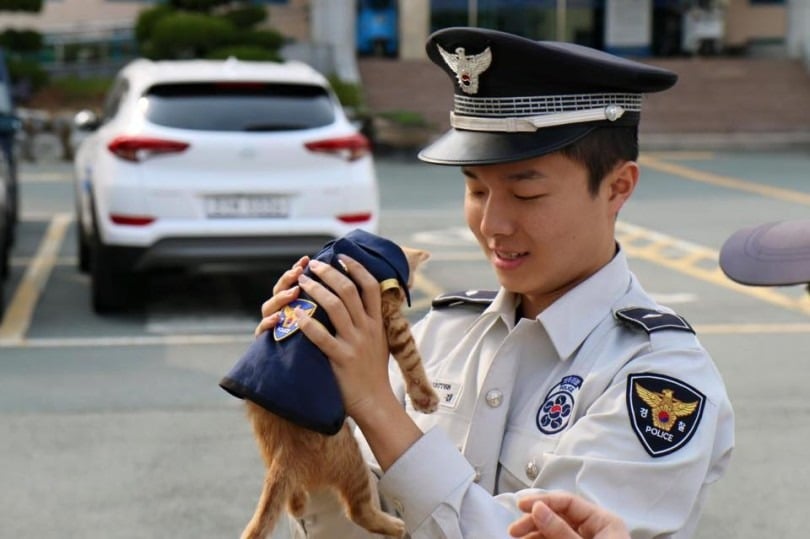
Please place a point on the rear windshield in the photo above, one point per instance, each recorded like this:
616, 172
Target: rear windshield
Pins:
239, 106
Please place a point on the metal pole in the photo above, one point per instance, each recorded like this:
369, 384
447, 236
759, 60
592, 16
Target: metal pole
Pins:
561, 16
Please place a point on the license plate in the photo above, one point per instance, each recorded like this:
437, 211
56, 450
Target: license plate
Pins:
247, 206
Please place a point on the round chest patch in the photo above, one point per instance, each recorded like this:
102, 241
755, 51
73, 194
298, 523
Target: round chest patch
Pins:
555, 412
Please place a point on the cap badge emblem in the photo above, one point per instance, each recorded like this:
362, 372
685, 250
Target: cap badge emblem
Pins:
467, 67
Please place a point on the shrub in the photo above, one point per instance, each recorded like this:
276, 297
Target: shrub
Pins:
189, 35
247, 16
245, 52
23, 41
268, 39
405, 118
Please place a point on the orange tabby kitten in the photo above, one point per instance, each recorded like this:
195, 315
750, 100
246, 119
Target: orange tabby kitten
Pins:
294, 455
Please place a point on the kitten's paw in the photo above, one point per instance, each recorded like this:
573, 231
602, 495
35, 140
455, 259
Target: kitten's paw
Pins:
425, 401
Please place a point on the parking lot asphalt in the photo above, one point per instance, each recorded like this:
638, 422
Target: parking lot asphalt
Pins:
114, 425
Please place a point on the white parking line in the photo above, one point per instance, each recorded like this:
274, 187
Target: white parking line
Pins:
138, 340
21, 309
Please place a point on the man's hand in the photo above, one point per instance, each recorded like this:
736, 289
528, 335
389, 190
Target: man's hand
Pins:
561, 515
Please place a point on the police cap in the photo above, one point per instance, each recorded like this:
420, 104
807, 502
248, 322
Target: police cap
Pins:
771, 254
516, 98
283, 371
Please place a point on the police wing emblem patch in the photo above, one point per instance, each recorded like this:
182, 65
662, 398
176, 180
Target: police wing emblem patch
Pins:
467, 67
288, 324
664, 412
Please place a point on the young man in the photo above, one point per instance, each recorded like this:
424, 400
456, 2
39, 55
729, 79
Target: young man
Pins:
570, 377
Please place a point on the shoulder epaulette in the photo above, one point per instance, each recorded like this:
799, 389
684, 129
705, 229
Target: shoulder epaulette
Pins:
465, 297
651, 320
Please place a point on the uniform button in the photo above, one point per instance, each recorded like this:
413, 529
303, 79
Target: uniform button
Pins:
531, 470
494, 398
477, 477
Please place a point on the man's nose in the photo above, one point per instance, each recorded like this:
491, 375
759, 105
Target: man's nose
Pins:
497, 218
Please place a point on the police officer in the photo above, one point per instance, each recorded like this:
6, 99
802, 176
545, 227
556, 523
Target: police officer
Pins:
569, 377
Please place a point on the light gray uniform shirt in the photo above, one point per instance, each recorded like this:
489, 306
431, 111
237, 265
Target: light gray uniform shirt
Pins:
624, 407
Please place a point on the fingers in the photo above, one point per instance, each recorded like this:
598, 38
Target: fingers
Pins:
542, 522
577, 510
271, 308
563, 515
267, 323
290, 277
285, 290
369, 286
347, 305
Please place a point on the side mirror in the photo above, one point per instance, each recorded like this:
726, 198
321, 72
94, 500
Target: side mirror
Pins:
86, 120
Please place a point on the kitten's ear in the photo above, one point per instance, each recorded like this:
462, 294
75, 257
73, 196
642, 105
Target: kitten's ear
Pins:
415, 257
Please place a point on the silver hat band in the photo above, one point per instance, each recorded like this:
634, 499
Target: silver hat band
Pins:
507, 107
533, 123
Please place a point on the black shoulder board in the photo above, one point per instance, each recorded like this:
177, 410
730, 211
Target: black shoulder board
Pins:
651, 320
465, 297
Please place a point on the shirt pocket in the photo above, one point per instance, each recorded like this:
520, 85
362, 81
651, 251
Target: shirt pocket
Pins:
522, 456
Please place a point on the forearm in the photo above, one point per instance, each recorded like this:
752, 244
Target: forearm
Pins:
388, 429
432, 487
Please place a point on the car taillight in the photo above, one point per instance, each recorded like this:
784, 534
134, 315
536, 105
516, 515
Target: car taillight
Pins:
355, 217
351, 148
135, 149
131, 220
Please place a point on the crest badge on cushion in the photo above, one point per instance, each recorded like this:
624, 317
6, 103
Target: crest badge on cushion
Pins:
664, 412
288, 324
467, 67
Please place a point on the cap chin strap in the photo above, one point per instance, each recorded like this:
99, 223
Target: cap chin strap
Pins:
524, 124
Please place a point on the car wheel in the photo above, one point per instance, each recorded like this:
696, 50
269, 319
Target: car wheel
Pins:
108, 287
82, 245
5, 257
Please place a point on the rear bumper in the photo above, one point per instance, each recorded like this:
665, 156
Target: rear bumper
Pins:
226, 252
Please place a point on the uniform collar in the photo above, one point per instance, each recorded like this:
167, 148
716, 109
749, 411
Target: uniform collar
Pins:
570, 319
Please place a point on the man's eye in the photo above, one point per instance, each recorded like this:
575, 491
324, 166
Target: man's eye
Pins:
529, 197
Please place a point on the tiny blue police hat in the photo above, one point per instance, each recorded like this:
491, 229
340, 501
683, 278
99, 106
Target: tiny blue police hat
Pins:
771, 254
516, 98
283, 371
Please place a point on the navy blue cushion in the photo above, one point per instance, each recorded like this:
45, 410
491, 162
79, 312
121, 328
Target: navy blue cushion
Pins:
285, 373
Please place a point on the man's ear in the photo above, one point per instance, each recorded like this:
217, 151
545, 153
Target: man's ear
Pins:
621, 183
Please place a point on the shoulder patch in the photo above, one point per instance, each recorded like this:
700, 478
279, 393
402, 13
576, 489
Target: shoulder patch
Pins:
664, 412
651, 320
465, 297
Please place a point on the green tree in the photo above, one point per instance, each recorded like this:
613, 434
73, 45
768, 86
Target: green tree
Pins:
21, 5
21, 46
206, 29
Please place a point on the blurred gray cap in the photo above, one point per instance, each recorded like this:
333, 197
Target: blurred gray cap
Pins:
771, 254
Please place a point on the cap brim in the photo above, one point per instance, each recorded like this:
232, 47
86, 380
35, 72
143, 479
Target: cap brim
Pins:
772, 254
459, 147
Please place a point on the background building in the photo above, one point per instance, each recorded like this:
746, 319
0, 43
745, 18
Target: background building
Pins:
329, 33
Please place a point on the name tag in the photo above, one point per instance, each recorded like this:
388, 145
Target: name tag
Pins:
448, 393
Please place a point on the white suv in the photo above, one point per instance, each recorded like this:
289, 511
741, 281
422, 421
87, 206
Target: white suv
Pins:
198, 163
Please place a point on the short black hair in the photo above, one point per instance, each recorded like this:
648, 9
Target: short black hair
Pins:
601, 150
